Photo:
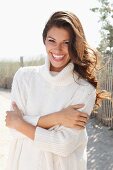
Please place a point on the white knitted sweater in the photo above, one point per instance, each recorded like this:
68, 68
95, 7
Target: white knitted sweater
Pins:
37, 92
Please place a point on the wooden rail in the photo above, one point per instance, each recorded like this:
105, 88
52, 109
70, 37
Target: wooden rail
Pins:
105, 113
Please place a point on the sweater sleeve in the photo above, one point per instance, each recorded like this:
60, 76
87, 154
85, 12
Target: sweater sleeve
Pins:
61, 140
19, 95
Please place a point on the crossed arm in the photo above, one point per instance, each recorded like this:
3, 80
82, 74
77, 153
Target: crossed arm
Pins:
69, 117
61, 141
39, 130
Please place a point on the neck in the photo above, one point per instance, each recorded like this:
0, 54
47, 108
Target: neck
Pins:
57, 69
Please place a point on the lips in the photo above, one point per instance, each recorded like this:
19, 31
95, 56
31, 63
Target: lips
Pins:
57, 57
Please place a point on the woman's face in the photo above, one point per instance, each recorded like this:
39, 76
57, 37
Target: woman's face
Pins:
56, 44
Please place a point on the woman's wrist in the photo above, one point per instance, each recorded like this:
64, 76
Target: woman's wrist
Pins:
50, 120
26, 128
19, 124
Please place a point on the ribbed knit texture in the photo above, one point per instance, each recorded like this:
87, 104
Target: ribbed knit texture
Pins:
37, 92
65, 77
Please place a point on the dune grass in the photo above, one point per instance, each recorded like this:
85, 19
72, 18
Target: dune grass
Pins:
8, 69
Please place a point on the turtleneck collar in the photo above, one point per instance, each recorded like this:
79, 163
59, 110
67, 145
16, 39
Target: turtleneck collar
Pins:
64, 77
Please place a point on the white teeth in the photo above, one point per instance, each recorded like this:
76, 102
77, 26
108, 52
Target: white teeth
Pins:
58, 56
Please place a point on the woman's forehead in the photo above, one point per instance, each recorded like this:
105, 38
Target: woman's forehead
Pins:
55, 32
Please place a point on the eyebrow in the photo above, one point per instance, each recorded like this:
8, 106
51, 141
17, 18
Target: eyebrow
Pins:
55, 39
50, 37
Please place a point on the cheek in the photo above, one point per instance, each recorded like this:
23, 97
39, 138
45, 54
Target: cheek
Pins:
67, 51
48, 47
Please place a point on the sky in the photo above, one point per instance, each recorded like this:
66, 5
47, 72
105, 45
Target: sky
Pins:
22, 23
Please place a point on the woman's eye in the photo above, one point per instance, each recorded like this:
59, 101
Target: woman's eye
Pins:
66, 42
50, 40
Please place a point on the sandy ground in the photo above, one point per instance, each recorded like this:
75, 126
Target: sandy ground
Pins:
100, 145
5, 137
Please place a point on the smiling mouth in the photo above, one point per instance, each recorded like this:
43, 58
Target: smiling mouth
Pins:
57, 57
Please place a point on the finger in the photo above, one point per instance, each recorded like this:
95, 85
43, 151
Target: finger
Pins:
79, 127
85, 115
81, 124
7, 112
78, 106
15, 107
82, 119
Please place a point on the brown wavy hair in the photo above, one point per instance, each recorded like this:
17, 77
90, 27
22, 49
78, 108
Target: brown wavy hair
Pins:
85, 59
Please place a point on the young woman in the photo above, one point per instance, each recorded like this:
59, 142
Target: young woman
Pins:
51, 103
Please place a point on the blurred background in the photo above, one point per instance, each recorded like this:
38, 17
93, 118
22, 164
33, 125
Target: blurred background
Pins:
21, 27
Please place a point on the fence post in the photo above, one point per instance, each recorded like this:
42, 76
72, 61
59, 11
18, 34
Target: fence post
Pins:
21, 62
105, 113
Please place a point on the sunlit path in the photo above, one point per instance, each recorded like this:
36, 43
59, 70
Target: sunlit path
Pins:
4, 132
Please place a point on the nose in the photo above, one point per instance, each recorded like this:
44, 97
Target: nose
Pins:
58, 47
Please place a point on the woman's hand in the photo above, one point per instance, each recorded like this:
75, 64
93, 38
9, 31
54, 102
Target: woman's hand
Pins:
69, 117
72, 118
13, 118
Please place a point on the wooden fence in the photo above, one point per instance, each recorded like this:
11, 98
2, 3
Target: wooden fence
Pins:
105, 113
